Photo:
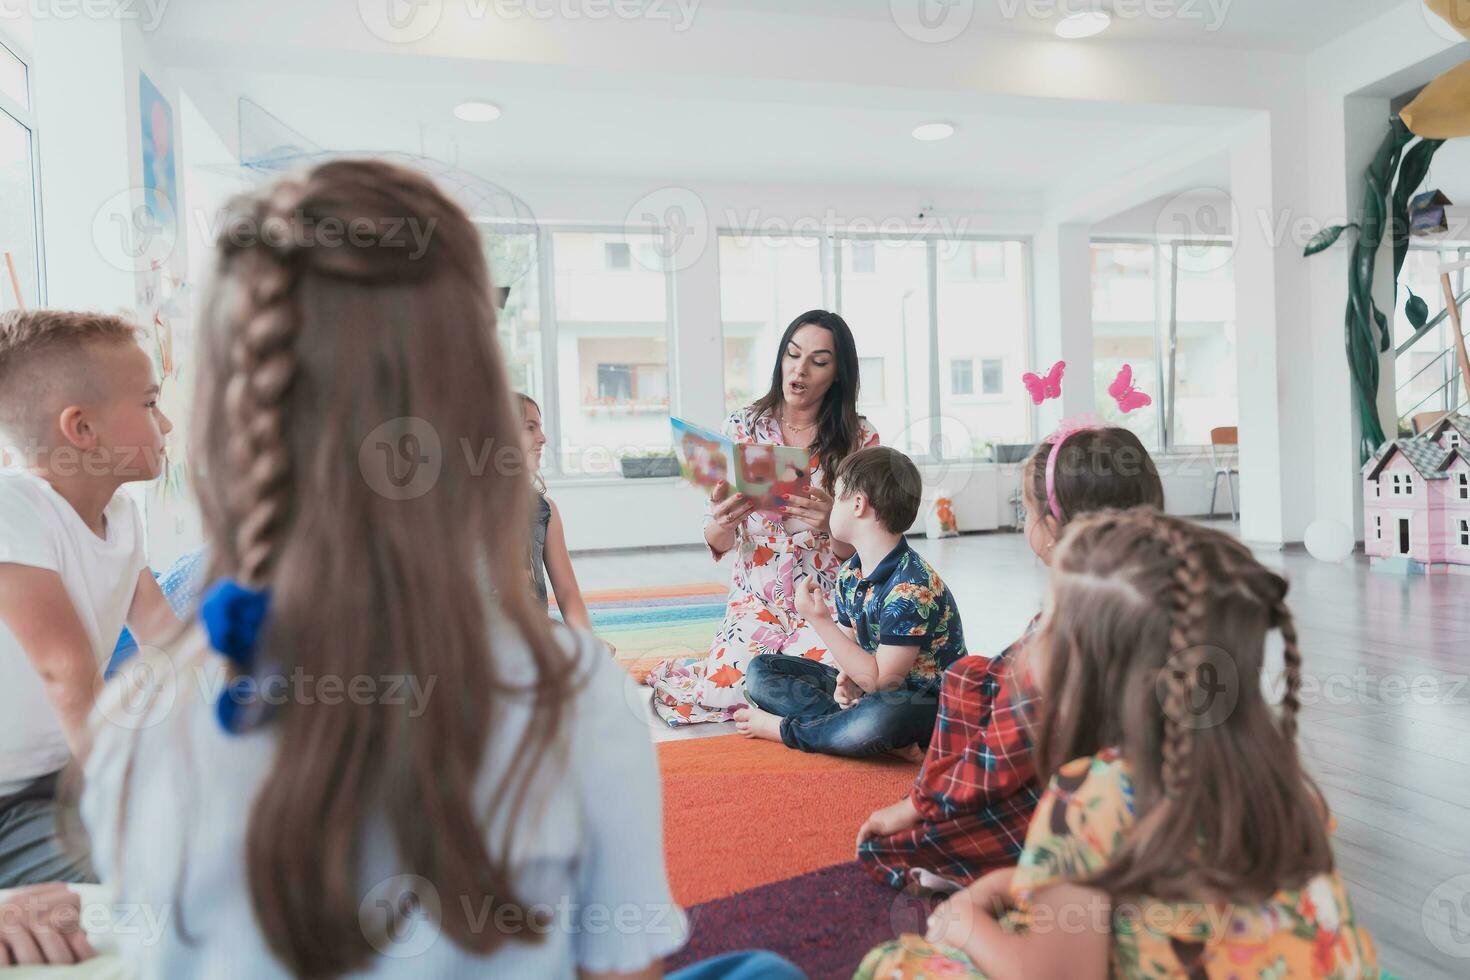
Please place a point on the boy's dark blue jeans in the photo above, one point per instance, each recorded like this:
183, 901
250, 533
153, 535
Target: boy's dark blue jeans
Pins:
802, 692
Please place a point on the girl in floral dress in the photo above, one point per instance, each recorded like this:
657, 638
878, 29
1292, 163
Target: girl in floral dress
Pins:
1179, 835
812, 403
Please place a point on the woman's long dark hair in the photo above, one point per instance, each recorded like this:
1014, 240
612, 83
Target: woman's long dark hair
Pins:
839, 430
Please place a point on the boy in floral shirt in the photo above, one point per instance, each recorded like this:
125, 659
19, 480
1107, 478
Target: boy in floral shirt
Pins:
897, 629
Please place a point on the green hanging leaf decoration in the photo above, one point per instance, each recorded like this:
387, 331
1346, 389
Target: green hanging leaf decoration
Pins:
1412, 173
1326, 238
1416, 310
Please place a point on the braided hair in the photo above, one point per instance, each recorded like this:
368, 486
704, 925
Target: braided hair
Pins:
347, 351
1154, 644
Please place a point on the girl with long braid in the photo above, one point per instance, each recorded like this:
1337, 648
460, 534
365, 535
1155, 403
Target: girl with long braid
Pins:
1179, 835
378, 755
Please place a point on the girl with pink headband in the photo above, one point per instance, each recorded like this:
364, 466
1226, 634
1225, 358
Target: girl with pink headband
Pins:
972, 801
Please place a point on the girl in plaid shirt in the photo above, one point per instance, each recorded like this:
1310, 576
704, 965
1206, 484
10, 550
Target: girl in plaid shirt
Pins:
970, 805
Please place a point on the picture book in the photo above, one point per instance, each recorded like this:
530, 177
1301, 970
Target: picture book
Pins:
761, 472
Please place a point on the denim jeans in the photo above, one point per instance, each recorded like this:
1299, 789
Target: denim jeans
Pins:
750, 965
801, 692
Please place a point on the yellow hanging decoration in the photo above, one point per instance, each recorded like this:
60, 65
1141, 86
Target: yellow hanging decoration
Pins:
1442, 110
1456, 13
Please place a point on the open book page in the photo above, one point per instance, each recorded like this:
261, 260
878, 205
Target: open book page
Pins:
761, 472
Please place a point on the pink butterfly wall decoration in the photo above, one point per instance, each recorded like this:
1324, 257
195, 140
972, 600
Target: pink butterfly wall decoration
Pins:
1042, 388
1128, 397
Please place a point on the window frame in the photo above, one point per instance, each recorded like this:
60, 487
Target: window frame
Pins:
545, 232
1166, 323
832, 240
832, 265
25, 115
968, 362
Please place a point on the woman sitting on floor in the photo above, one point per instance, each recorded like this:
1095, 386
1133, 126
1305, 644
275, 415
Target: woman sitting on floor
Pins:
812, 403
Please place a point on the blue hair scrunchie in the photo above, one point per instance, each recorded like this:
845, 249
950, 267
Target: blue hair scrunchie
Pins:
233, 616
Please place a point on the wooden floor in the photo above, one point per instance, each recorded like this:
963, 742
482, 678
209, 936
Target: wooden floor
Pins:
1385, 728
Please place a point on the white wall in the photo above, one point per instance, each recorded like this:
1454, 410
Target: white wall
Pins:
1296, 151
609, 514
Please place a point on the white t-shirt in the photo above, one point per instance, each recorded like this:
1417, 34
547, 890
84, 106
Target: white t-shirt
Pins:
38, 527
591, 852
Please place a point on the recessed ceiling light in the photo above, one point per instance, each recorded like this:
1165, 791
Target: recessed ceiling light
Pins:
477, 111
1088, 23
929, 132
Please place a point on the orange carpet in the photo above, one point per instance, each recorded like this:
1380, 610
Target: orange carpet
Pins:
740, 813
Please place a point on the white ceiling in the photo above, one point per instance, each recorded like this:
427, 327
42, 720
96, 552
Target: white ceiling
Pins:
570, 109
1278, 25
554, 124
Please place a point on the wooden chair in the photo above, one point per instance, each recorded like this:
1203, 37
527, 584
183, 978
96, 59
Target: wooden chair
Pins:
1424, 420
1225, 458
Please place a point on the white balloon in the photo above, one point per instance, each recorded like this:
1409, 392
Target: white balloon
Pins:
1329, 541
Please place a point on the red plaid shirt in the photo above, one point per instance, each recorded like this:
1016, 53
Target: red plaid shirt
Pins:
978, 787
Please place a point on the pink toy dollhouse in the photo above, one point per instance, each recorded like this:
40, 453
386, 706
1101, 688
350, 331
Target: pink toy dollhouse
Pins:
1416, 501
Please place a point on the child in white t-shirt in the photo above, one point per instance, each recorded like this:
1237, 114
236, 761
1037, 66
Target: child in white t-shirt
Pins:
79, 413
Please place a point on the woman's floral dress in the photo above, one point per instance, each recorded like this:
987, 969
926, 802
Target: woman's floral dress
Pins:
771, 557
1080, 822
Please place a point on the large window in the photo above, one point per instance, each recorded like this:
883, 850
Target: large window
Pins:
941, 326
765, 282
883, 294
612, 349
515, 273
585, 332
19, 227
985, 339
1166, 310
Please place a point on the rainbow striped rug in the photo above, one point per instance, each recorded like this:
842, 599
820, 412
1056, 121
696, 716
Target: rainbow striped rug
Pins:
653, 623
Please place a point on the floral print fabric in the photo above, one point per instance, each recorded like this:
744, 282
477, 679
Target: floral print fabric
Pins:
1081, 820
771, 557
902, 602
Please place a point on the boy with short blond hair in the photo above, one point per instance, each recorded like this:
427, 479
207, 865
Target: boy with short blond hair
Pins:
79, 415
897, 630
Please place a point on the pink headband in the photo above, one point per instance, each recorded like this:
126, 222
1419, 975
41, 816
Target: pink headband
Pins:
1065, 431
